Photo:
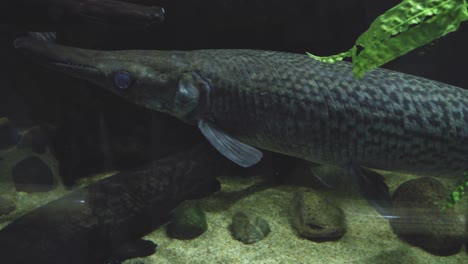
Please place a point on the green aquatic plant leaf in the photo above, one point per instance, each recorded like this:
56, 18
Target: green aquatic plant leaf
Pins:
410, 24
457, 193
332, 58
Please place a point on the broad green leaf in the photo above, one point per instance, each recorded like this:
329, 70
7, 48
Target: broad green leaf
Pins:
409, 25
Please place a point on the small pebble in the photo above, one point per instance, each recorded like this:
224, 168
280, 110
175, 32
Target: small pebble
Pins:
9, 134
187, 221
248, 227
316, 218
419, 220
32, 175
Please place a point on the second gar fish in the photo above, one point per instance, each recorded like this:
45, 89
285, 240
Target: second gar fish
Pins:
287, 103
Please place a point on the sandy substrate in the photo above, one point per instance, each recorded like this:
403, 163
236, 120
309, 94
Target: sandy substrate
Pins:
369, 238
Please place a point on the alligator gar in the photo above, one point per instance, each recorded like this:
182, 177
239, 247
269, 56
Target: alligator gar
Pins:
89, 224
287, 103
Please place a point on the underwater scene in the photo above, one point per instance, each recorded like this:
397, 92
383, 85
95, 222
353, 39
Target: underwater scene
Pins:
233, 131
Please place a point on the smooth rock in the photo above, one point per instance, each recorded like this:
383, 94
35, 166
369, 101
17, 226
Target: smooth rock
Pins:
188, 221
419, 220
316, 218
32, 175
248, 227
36, 139
9, 134
6, 206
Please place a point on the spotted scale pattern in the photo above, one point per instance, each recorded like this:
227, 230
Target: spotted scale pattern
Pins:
291, 104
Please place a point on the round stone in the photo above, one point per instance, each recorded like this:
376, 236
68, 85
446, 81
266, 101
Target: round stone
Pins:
32, 175
188, 221
248, 227
316, 218
420, 220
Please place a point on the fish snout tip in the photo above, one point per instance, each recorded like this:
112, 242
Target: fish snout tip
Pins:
158, 11
20, 43
156, 15
34, 41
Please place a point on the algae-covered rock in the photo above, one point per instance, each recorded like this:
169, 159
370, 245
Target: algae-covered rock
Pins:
188, 221
6, 205
248, 227
316, 218
419, 220
9, 134
32, 175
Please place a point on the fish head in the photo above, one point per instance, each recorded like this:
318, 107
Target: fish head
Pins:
144, 77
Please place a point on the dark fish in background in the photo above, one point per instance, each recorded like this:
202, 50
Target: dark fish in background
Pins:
289, 104
105, 12
90, 224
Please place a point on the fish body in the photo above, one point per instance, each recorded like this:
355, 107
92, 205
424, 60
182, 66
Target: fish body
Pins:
287, 103
89, 224
102, 12
291, 104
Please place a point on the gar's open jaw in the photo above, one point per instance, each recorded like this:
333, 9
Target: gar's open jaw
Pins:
66, 66
71, 65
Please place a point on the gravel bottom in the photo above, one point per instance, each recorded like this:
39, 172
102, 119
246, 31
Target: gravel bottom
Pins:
369, 238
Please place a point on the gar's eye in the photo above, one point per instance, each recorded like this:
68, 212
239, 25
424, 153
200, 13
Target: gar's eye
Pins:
122, 80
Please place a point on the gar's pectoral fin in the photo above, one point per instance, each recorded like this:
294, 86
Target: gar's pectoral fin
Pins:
373, 187
236, 151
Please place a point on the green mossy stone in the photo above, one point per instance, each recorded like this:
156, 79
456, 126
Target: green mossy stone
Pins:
32, 174
316, 218
419, 220
248, 227
187, 221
